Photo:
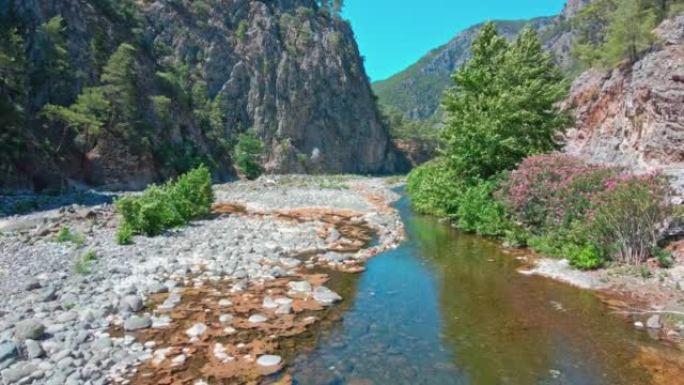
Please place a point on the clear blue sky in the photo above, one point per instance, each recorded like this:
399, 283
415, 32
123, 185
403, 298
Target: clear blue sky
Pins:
393, 34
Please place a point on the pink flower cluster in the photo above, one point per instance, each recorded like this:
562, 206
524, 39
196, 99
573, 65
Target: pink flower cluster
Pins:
550, 189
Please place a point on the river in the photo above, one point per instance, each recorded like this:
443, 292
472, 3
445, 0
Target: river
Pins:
449, 308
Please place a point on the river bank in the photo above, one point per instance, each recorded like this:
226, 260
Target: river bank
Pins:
649, 296
87, 310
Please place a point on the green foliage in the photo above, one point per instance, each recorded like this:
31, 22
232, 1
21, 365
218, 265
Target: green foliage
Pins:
113, 105
241, 31
418, 89
124, 234
504, 105
119, 82
162, 207
408, 129
571, 242
433, 188
13, 80
66, 235
479, 212
247, 155
54, 71
162, 108
83, 262
612, 31
88, 115
626, 216
665, 258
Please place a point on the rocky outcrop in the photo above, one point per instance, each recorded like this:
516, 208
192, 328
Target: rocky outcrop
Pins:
287, 68
634, 114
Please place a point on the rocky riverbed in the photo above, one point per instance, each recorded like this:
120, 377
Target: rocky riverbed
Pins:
213, 299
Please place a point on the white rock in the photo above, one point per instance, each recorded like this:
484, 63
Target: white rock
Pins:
257, 318
300, 286
196, 330
178, 360
269, 360
269, 303
225, 303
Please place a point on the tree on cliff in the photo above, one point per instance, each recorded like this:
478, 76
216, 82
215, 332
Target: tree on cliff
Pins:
113, 105
54, 69
611, 31
503, 106
247, 155
12, 96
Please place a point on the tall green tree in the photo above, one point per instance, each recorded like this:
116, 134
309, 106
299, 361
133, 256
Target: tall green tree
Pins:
53, 72
119, 83
503, 106
247, 154
629, 31
611, 31
13, 79
113, 105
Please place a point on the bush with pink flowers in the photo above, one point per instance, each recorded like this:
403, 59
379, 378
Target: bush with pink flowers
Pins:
587, 213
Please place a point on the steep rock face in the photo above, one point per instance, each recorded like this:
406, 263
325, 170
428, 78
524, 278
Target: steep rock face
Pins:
634, 115
285, 68
293, 75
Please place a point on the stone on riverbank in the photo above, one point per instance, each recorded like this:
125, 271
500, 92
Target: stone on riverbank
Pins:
136, 323
29, 330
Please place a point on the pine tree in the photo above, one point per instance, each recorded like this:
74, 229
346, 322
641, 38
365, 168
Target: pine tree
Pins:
120, 84
629, 32
13, 79
503, 106
54, 71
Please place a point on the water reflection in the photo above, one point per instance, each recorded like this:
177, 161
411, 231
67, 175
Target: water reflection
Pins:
448, 308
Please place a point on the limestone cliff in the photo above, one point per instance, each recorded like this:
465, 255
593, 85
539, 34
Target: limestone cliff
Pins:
289, 69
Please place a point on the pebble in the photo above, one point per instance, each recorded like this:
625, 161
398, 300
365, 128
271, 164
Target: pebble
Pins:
269, 360
33, 349
29, 329
653, 322
7, 350
133, 303
178, 360
257, 318
225, 303
300, 286
16, 373
325, 296
136, 323
226, 318
196, 330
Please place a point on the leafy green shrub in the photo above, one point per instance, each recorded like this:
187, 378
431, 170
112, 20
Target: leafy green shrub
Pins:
433, 188
124, 235
241, 30
665, 258
626, 217
162, 207
66, 235
83, 262
584, 257
247, 155
479, 212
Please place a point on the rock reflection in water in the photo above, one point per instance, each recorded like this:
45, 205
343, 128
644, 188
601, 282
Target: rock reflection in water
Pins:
449, 308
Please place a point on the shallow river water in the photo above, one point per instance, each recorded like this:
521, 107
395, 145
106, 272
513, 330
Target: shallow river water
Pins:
449, 308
